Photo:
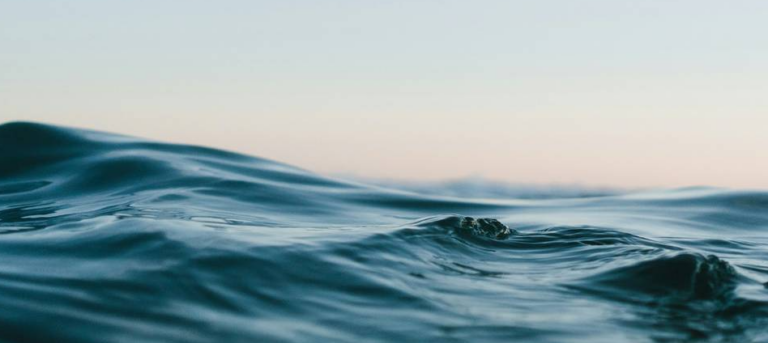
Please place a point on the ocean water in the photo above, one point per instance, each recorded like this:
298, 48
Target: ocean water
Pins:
105, 238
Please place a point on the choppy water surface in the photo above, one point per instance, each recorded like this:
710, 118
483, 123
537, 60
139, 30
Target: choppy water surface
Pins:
105, 238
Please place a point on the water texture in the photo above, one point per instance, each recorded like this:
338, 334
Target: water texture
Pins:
105, 238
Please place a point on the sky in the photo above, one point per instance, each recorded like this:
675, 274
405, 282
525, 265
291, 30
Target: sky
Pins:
594, 92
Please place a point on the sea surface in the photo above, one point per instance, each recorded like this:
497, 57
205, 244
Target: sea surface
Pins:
106, 238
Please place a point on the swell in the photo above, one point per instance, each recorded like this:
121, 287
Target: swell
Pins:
67, 167
110, 238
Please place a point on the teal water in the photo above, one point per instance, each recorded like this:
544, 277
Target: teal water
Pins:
105, 238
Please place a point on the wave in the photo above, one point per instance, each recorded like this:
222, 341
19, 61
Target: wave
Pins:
108, 238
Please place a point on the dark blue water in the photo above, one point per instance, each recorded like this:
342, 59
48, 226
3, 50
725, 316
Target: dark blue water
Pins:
105, 238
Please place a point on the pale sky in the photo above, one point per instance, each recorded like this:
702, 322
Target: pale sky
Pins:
603, 92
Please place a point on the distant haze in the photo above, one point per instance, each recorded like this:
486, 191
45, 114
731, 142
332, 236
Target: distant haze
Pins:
603, 92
